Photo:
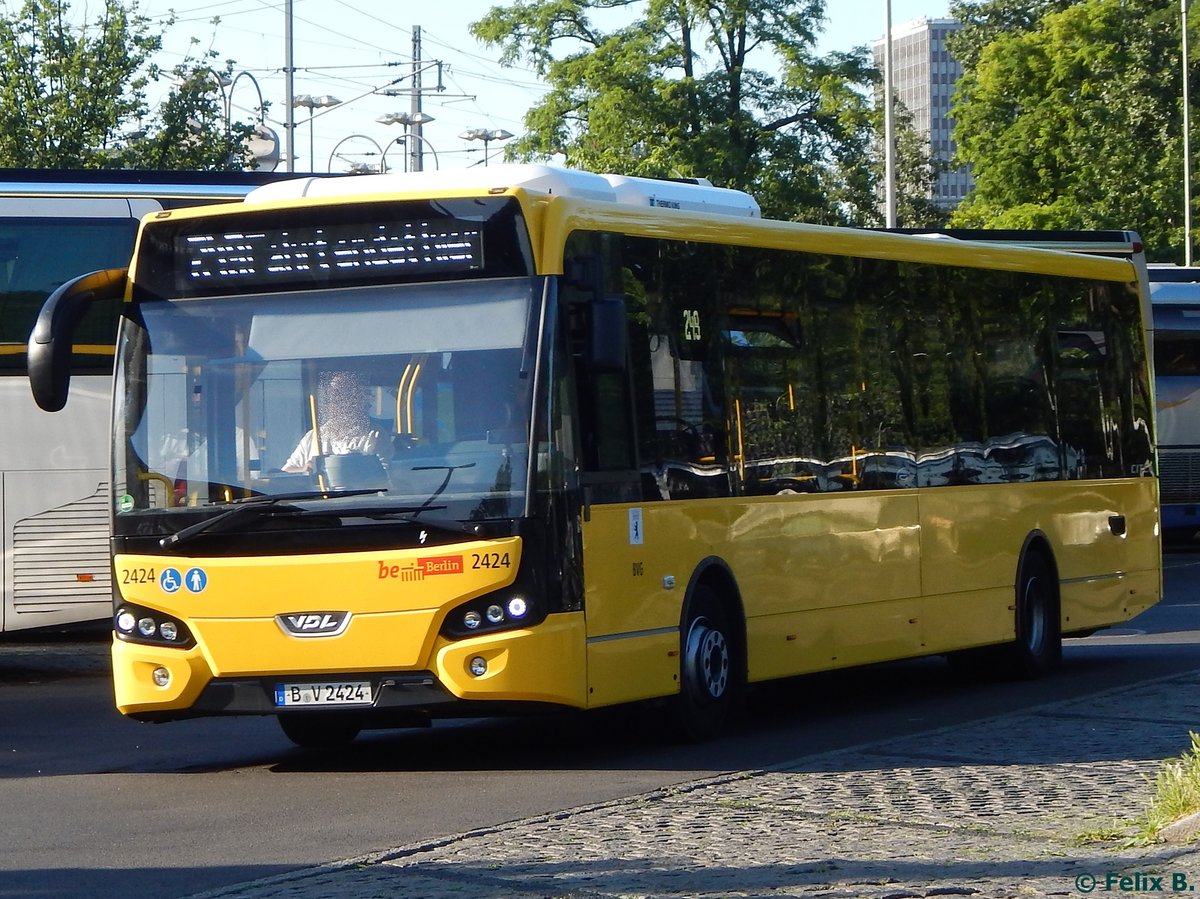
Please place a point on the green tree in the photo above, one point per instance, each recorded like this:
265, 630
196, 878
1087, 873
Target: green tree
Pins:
985, 20
73, 95
1075, 123
678, 92
189, 129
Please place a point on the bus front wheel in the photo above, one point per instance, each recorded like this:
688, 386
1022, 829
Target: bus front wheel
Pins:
319, 730
708, 672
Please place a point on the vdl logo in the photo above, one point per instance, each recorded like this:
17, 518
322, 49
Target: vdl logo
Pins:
313, 624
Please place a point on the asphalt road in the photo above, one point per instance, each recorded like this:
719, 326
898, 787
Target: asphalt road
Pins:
94, 805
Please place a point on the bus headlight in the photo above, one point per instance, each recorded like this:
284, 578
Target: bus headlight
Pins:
138, 624
506, 609
517, 607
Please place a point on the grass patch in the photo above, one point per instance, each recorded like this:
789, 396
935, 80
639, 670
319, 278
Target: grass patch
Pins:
1176, 793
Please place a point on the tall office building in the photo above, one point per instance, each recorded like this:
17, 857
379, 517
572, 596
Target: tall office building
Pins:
923, 78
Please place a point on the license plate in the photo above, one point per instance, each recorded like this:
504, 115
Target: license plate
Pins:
341, 693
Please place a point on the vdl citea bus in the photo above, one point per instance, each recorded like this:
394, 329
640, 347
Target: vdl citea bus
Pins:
410, 446
54, 493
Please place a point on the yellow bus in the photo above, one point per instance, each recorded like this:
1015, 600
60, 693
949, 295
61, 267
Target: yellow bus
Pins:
401, 447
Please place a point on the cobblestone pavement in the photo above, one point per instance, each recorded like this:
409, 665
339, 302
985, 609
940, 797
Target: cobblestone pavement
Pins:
993, 808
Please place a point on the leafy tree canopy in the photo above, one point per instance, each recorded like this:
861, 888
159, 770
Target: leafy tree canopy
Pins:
1073, 119
985, 20
73, 95
732, 91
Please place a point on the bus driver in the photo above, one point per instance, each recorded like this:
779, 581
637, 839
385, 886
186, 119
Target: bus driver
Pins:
344, 423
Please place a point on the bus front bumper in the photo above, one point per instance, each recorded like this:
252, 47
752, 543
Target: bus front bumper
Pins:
542, 665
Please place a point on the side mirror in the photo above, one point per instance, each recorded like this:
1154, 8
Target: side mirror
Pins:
52, 339
606, 324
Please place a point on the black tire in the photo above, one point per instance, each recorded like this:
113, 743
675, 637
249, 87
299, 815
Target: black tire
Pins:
1037, 649
709, 674
319, 730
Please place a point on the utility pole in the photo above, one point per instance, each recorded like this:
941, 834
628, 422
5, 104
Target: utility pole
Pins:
414, 118
1187, 146
290, 87
416, 146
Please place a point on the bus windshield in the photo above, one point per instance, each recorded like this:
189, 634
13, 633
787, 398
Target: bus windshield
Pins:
411, 397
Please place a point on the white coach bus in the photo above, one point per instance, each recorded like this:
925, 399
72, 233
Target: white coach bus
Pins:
1175, 295
54, 226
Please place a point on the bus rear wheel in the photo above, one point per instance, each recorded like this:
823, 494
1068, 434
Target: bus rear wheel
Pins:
320, 730
1037, 649
708, 670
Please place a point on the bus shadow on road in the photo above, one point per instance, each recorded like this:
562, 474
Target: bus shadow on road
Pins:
918, 712
120, 882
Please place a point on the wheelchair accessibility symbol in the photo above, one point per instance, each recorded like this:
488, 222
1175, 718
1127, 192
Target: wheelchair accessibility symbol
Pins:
171, 581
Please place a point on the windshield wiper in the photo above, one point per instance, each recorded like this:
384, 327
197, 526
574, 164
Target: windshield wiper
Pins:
261, 504
449, 469
407, 514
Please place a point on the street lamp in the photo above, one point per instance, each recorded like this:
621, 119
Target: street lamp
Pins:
311, 103
412, 122
409, 120
263, 143
486, 136
889, 136
225, 84
261, 109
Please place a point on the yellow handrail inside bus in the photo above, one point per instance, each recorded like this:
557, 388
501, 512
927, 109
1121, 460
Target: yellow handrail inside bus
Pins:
316, 432
168, 484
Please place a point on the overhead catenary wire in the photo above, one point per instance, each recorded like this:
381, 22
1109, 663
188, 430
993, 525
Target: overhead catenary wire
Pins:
351, 50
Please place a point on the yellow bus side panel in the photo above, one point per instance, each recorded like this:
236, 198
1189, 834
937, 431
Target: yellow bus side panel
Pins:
972, 539
545, 664
962, 620
853, 555
838, 637
972, 536
970, 618
834, 581
631, 668
1092, 604
786, 552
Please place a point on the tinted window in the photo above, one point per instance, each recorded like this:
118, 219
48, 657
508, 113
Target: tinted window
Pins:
761, 371
38, 255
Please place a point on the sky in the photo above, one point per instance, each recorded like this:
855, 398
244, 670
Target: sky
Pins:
349, 49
